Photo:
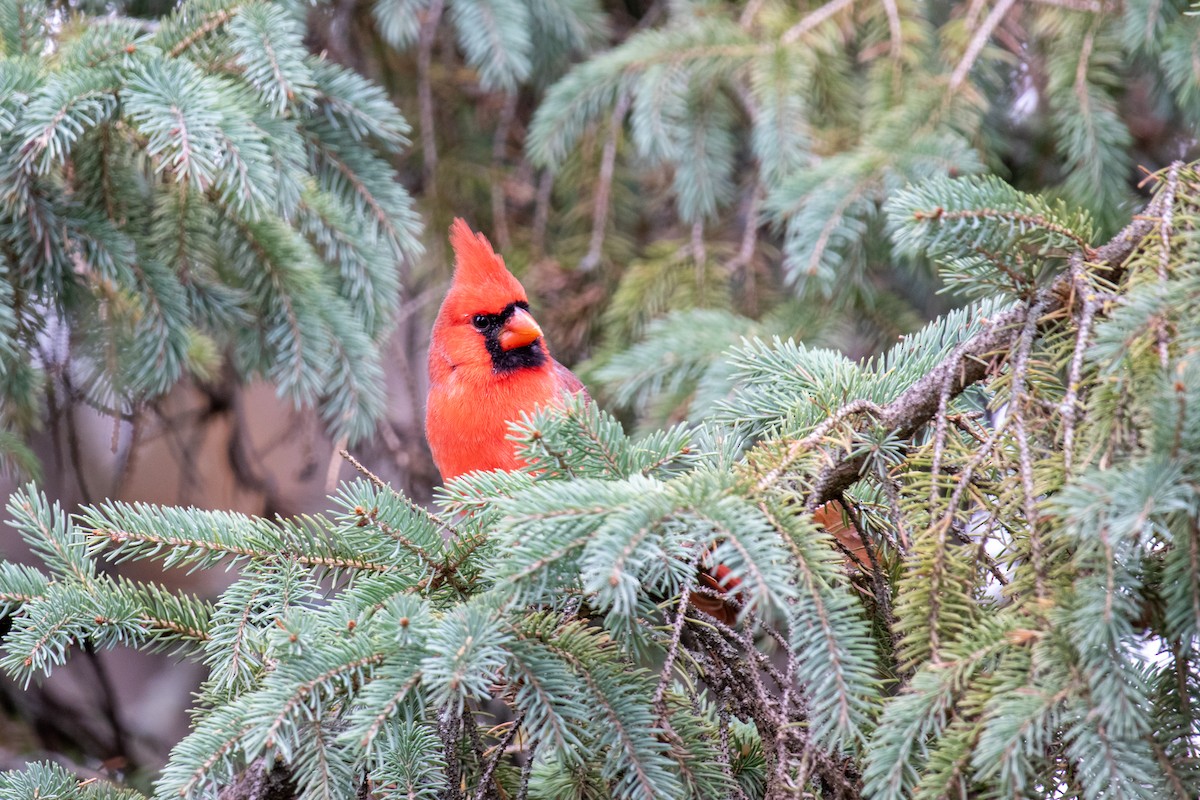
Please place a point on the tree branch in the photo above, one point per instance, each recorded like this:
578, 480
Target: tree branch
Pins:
971, 361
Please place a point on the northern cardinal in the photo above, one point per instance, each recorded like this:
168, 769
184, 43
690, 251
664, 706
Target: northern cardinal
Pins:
488, 363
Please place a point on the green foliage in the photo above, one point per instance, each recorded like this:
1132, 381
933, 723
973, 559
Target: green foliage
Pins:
53, 782
426, 623
780, 130
1009, 610
987, 236
1013, 610
176, 199
507, 42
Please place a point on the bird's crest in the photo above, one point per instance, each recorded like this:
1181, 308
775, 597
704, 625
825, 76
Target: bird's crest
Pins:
480, 276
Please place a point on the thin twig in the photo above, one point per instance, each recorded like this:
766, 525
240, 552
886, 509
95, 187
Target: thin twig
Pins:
812, 20
449, 729
892, 491
426, 40
672, 650
541, 213
1024, 346
601, 197
508, 112
335, 464
1070, 402
1166, 222
974, 11
499, 749
527, 771
977, 43
941, 428
879, 582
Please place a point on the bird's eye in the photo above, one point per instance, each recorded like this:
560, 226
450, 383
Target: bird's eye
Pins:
480, 321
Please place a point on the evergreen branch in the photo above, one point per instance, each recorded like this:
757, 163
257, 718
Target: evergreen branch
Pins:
416, 508
639, 754
813, 19
1035, 220
19, 585
915, 407
924, 708
43, 781
976, 45
299, 693
197, 549
838, 719
211, 23
213, 743
388, 708
796, 449
56, 118
385, 219
363, 107
271, 54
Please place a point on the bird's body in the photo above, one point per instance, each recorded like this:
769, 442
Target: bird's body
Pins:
488, 363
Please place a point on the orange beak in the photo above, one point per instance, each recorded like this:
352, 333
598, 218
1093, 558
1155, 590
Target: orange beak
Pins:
519, 331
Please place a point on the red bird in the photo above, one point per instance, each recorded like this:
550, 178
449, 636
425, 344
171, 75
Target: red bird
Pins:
488, 362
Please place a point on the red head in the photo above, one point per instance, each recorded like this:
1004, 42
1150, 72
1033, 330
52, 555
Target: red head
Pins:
482, 284
484, 323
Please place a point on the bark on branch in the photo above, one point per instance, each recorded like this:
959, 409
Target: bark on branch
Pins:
971, 361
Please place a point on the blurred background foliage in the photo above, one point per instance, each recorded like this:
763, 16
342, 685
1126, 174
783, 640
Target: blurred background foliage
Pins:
665, 177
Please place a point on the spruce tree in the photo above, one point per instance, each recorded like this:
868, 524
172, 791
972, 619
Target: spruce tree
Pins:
1023, 616
1021, 622
187, 196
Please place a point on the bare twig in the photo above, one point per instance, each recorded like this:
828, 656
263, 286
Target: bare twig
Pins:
527, 771
879, 583
335, 464
1021, 354
601, 198
1070, 402
449, 729
977, 43
812, 20
541, 213
941, 428
426, 40
1166, 222
499, 151
672, 651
